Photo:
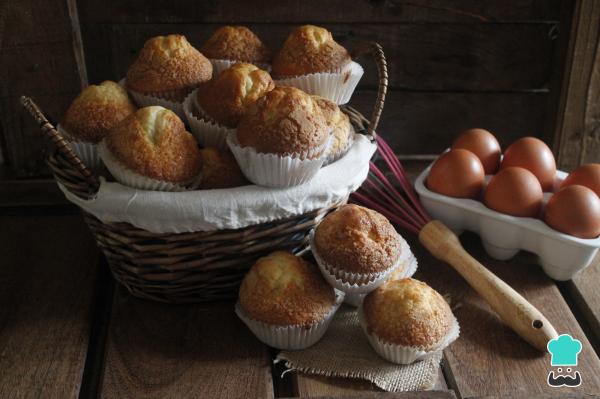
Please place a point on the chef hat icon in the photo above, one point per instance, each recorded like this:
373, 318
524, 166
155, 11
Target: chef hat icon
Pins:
564, 350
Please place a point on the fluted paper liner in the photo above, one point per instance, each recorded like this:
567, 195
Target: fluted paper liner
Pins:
221, 65
207, 132
292, 337
162, 99
86, 151
336, 86
272, 170
412, 265
130, 178
354, 283
401, 354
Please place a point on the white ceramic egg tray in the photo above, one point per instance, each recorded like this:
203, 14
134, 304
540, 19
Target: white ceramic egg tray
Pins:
560, 255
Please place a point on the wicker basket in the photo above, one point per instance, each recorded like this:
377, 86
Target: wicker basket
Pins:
191, 267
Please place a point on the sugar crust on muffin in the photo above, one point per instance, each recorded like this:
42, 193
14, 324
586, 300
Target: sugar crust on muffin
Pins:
283, 289
154, 143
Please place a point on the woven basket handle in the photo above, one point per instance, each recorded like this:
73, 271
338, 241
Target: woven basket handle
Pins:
376, 51
61, 143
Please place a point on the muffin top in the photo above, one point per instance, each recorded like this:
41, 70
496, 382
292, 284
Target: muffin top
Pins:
309, 49
284, 121
168, 63
96, 110
407, 312
338, 123
154, 143
358, 240
226, 97
236, 43
283, 289
220, 170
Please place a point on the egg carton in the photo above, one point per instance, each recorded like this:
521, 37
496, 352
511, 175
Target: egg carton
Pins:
560, 255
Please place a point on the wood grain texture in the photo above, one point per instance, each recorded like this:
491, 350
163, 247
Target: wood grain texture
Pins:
445, 57
298, 11
578, 117
427, 122
156, 350
584, 290
38, 59
490, 359
47, 286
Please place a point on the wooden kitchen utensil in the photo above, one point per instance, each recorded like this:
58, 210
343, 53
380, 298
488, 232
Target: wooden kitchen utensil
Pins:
403, 208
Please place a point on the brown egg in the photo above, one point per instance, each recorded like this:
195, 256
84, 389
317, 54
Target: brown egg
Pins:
586, 175
514, 191
457, 173
483, 144
535, 156
574, 210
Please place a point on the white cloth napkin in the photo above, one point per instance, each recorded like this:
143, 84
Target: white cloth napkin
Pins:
234, 208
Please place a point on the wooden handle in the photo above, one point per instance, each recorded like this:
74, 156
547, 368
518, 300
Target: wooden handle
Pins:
512, 308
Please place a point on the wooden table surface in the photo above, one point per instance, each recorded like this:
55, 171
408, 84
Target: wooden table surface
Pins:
67, 330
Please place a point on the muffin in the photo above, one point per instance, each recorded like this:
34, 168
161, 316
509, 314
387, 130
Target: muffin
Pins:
167, 68
285, 301
225, 98
150, 149
357, 248
313, 61
230, 44
282, 140
309, 49
340, 127
406, 320
215, 108
96, 110
220, 170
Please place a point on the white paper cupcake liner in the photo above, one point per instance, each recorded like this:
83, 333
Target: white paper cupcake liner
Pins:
401, 354
332, 157
411, 268
221, 65
128, 177
147, 100
354, 283
272, 170
335, 86
289, 337
86, 151
208, 133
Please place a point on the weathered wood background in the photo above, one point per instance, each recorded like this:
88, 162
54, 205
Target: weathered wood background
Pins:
512, 67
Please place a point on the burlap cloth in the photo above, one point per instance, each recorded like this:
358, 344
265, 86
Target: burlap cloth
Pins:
345, 352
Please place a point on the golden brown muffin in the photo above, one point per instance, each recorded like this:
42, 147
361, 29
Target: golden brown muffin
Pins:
220, 170
407, 312
168, 66
338, 123
283, 289
154, 143
284, 121
226, 97
357, 240
309, 49
96, 110
236, 43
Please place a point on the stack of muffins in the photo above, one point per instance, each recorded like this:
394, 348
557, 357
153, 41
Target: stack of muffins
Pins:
272, 131
288, 303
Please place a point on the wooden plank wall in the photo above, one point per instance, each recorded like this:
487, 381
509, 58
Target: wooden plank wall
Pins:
40, 56
453, 64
